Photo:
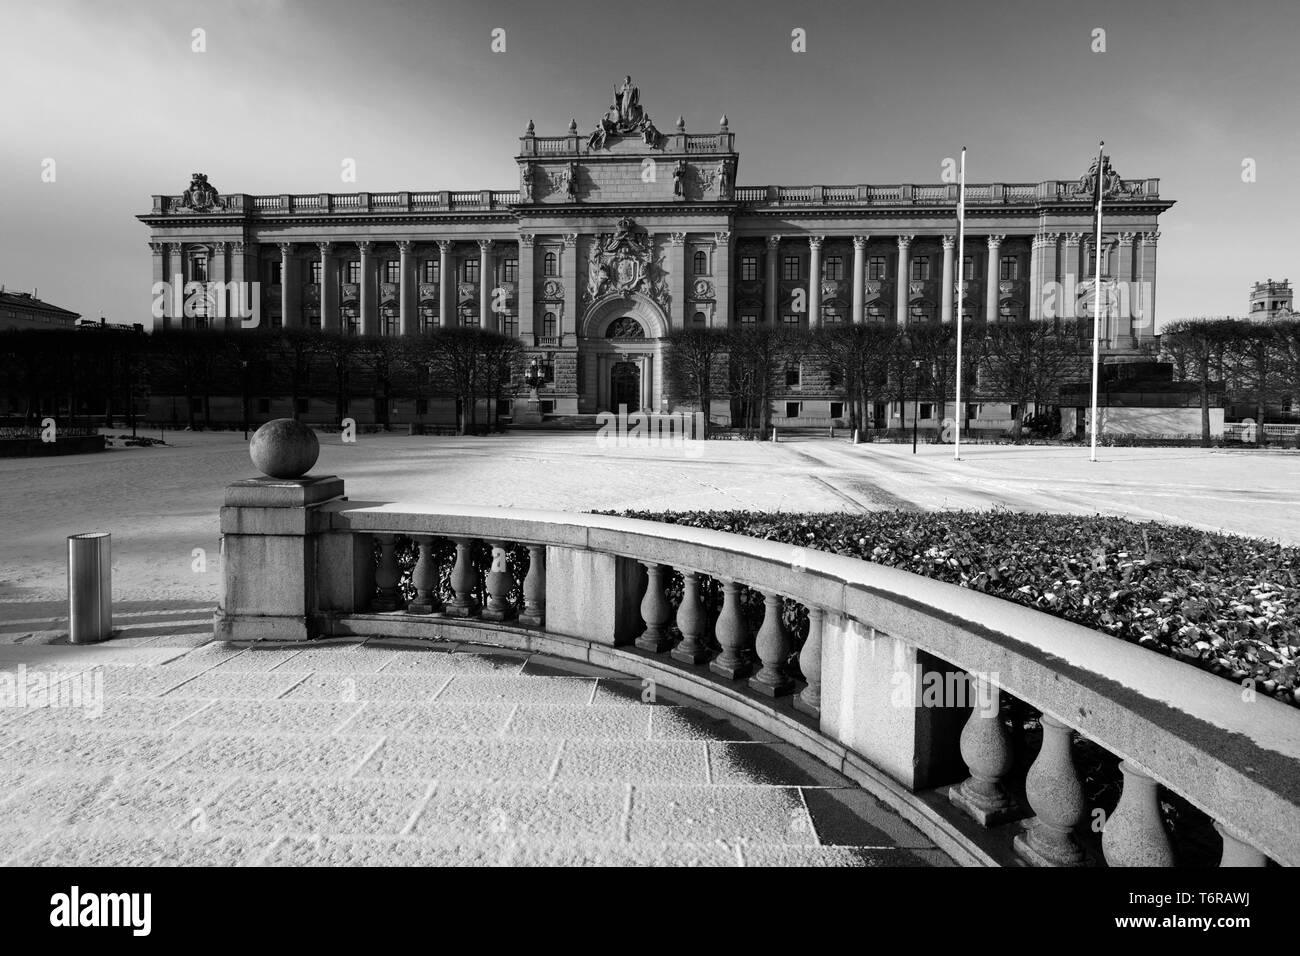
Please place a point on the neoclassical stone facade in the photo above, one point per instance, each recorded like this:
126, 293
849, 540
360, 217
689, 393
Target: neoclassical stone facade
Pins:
615, 237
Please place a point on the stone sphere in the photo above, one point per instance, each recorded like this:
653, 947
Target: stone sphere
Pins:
284, 448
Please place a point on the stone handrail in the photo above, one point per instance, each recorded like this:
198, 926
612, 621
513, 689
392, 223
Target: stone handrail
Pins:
596, 584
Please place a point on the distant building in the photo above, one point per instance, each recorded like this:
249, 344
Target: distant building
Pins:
1270, 300
22, 310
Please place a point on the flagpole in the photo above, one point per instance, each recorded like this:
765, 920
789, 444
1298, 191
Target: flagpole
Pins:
961, 267
1096, 300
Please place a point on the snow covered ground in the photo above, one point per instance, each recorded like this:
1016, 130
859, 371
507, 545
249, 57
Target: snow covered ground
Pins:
161, 504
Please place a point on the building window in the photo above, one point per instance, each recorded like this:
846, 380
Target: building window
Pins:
199, 268
927, 410
548, 265
920, 268
469, 270
428, 318
831, 315
791, 321
429, 270
548, 324
791, 409
968, 268
351, 321
790, 268
837, 409
510, 325
792, 376
354, 272
701, 263
393, 271
748, 268
312, 315
922, 312
510, 270
313, 272
876, 268
469, 317
749, 321
1010, 268
272, 268
833, 268
876, 312
389, 320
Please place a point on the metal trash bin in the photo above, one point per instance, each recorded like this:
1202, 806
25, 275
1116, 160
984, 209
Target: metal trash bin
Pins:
90, 587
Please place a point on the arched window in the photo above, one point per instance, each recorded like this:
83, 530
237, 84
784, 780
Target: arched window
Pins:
548, 324
699, 321
701, 263
548, 267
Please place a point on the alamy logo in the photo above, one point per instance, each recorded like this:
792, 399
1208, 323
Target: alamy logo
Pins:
218, 300
40, 689
675, 430
102, 909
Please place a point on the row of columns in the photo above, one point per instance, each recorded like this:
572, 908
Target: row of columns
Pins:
1043, 269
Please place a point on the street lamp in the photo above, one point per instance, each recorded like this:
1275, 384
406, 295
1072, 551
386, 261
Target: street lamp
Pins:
916, 399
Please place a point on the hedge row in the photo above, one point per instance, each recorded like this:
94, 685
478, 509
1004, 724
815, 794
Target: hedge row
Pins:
1227, 604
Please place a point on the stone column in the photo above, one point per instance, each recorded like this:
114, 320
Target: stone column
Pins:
487, 319
176, 275
406, 314
368, 293
1135, 833
814, 300
1042, 270
160, 302
219, 302
1056, 797
945, 299
569, 276
901, 283
991, 279
290, 304
524, 293
722, 276
859, 269
329, 288
677, 278
1145, 324
250, 295
772, 290
1122, 328
446, 284
1070, 267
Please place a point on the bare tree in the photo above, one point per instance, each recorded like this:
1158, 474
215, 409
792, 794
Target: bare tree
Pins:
1027, 361
1199, 342
693, 366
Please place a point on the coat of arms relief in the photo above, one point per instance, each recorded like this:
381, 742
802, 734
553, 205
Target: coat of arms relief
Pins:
624, 262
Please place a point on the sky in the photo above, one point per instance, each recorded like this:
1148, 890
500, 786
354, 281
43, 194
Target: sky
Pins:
286, 90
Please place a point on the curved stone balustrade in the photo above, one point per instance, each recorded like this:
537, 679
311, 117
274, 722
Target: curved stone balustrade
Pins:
302, 563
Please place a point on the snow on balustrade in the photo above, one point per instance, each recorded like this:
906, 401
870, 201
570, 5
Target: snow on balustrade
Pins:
638, 596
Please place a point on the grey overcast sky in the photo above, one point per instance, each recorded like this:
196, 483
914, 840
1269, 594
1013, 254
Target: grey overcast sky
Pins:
410, 89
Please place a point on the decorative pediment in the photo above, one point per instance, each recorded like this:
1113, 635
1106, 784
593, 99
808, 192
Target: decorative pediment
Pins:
1111, 184
625, 117
623, 262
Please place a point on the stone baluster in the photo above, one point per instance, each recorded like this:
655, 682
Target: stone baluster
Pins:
1056, 797
655, 611
986, 750
809, 700
773, 646
499, 583
1135, 833
733, 635
1236, 851
534, 612
692, 648
464, 581
386, 575
425, 579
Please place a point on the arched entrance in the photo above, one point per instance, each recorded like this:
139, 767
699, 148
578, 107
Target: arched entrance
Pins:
621, 355
625, 386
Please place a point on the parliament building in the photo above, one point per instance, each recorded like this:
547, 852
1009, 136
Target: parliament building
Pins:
614, 237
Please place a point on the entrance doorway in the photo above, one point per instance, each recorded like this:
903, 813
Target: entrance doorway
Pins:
625, 386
